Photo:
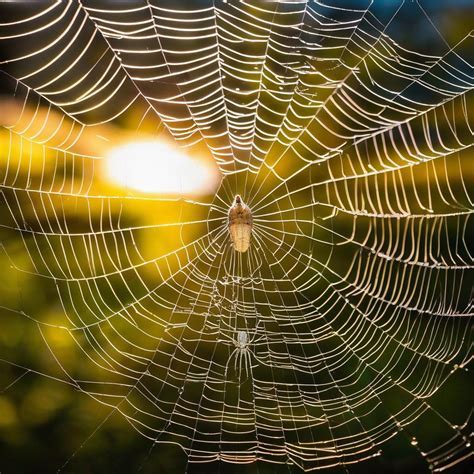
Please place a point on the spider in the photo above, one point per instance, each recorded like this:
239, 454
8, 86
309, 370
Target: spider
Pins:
242, 352
240, 225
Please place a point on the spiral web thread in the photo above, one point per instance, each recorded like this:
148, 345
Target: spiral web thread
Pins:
351, 308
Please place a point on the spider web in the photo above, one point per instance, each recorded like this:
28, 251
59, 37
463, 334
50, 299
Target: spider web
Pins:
350, 310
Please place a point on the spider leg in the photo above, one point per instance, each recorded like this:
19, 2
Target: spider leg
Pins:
240, 364
244, 360
230, 358
250, 363
247, 362
236, 359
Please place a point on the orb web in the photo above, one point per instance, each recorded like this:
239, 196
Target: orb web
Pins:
350, 309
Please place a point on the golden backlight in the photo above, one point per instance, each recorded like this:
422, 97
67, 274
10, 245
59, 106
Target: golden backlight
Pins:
154, 166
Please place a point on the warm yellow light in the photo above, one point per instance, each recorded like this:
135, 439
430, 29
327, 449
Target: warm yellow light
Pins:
156, 167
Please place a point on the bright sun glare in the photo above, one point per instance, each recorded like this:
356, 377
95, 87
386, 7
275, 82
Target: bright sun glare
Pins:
156, 167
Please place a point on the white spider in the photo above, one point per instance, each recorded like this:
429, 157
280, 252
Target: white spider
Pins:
242, 352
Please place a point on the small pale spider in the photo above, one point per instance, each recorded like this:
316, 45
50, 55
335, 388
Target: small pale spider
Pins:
242, 353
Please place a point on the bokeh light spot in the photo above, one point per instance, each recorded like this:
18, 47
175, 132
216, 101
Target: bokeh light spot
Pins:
154, 166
